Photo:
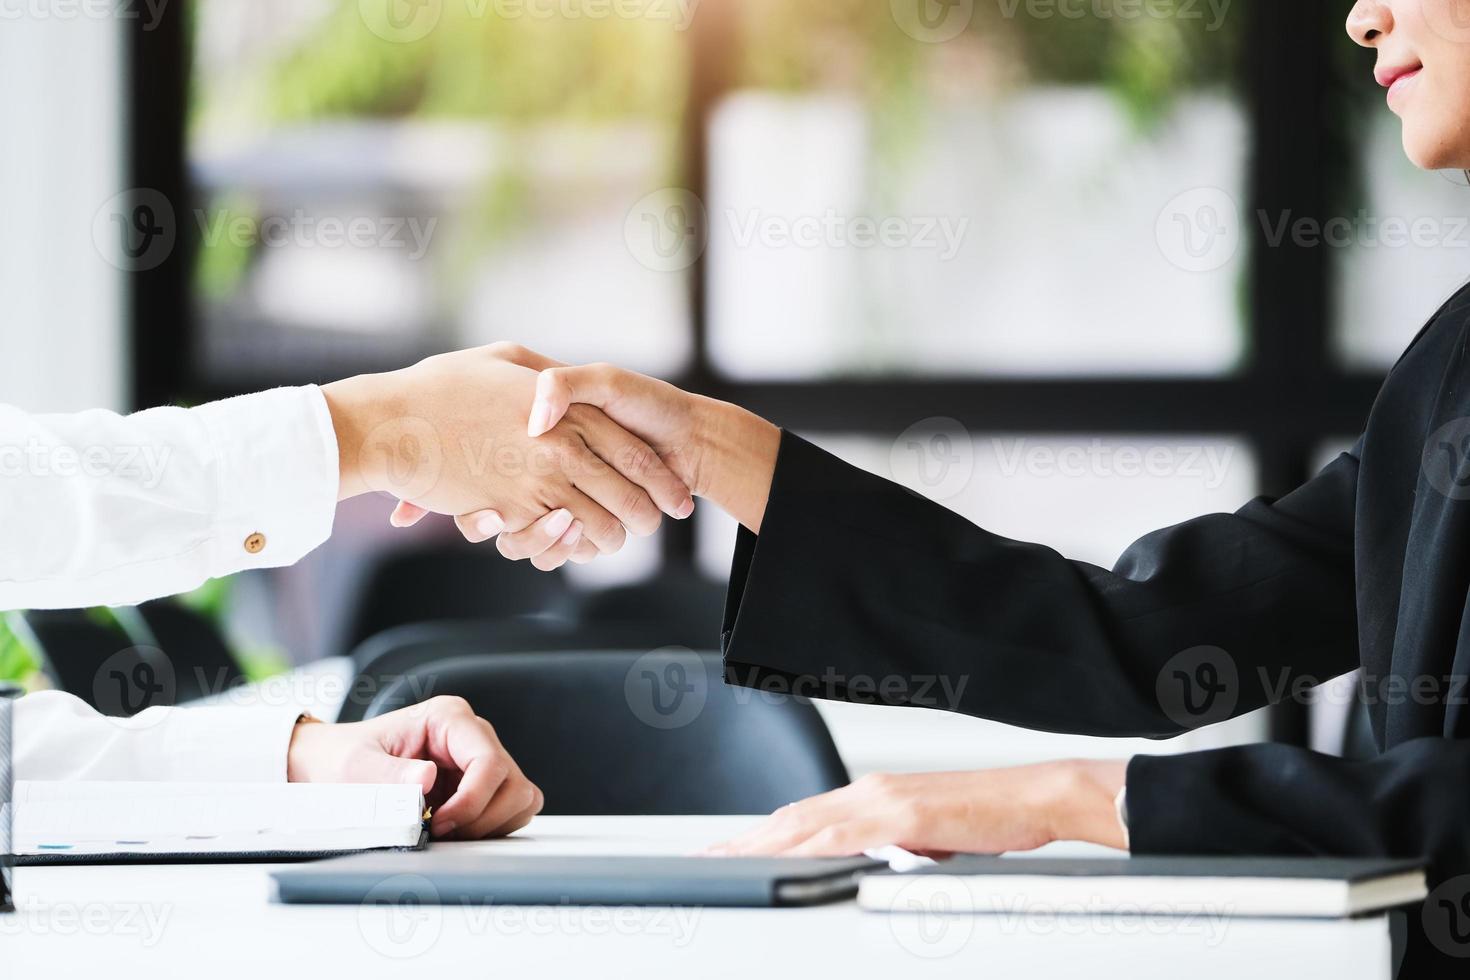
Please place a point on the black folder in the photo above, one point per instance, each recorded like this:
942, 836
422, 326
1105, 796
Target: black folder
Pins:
451, 876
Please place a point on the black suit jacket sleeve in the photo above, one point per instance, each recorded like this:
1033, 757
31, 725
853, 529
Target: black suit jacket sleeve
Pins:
859, 589
1413, 801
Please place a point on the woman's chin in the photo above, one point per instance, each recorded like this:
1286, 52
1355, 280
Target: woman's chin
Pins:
1432, 151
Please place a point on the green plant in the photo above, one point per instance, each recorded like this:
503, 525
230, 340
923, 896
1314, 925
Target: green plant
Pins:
18, 660
474, 65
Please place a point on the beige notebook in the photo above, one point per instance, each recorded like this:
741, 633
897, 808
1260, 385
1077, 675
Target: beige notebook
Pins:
87, 822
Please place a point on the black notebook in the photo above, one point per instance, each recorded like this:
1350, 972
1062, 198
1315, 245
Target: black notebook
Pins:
1266, 887
451, 876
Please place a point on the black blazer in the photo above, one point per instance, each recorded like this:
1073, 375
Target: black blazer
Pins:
858, 589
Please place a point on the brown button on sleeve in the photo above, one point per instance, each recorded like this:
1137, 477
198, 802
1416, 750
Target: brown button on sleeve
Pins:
255, 544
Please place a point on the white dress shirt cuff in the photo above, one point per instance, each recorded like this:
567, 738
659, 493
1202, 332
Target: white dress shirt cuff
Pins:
278, 477
229, 744
58, 736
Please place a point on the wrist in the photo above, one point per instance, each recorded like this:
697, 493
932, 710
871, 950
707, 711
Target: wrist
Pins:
1082, 804
735, 459
358, 406
298, 754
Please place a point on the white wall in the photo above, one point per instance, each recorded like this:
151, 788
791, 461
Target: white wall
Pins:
61, 302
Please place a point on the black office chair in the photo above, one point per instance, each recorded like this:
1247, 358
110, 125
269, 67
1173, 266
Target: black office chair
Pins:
383, 659
628, 732
203, 665
87, 654
450, 582
680, 608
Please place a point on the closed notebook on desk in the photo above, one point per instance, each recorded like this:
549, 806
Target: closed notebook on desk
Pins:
118, 823
1263, 887
453, 876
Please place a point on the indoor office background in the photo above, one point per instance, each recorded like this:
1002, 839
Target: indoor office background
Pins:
1076, 269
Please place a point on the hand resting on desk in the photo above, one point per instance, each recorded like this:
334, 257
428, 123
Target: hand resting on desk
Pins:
986, 812
474, 786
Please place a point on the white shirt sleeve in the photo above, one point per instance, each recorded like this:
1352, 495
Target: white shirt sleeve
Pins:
57, 736
102, 509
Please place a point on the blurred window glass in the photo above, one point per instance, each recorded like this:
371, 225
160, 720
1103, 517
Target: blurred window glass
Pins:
370, 188
1403, 249
1033, 194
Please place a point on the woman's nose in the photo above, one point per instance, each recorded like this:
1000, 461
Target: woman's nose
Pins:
1369, 21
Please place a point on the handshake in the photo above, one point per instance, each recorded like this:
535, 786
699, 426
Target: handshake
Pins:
556, 463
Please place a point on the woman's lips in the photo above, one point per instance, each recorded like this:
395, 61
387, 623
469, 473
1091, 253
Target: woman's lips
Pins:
1400, 83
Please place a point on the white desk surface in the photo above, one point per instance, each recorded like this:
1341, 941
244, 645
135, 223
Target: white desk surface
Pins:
218, 922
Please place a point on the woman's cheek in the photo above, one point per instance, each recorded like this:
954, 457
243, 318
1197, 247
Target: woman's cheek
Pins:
1447, 20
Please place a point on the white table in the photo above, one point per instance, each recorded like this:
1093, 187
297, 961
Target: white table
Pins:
218, 922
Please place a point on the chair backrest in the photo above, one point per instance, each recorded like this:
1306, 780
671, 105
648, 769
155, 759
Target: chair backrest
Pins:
198, 653
681, 606
91, 657
384, 658
449, 582
633, 732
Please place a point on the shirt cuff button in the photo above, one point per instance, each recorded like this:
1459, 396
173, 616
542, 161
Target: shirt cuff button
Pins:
255, 544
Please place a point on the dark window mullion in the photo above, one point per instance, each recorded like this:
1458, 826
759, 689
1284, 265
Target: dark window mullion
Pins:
1295, 161
159, 311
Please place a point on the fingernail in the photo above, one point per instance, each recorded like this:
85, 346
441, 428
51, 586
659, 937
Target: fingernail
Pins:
685, 509
573, 535
489, 524
540, 418
558, 523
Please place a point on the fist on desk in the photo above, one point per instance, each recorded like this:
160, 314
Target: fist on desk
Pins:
474, 786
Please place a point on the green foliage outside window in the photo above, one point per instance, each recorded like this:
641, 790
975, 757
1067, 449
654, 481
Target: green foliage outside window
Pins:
21, 662
476, 64
18, 661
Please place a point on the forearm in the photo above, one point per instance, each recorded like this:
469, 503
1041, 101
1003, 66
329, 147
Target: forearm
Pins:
113, 510
1001, 629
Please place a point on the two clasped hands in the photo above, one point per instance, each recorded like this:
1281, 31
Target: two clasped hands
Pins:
555, 463
559, 463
